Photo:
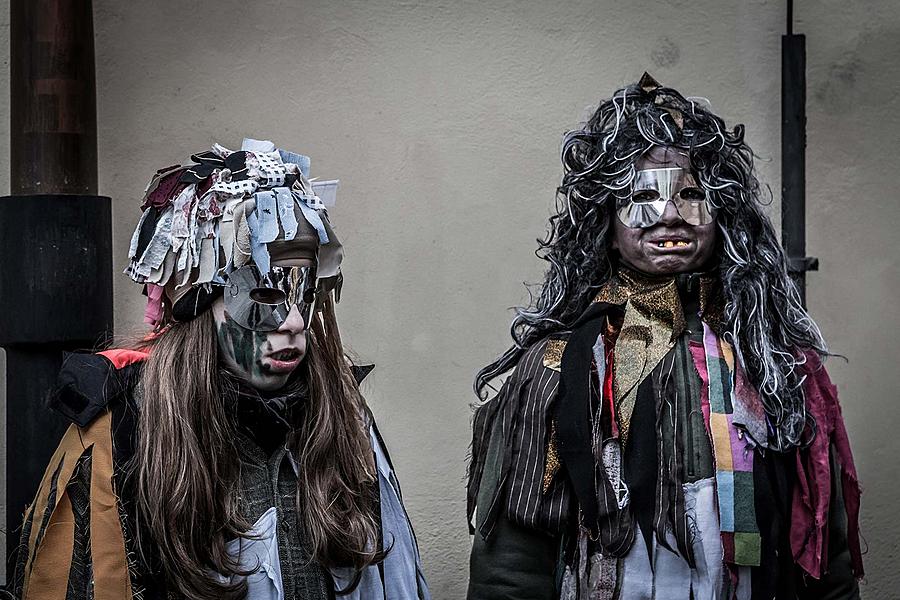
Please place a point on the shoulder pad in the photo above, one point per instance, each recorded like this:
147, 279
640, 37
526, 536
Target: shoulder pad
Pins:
88, 383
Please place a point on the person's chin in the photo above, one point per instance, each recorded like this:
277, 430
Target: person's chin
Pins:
270, 382
670, 265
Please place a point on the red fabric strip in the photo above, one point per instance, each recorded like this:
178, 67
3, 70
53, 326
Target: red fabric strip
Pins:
121, 357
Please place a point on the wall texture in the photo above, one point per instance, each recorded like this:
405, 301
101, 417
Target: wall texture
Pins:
443, 121
851, 215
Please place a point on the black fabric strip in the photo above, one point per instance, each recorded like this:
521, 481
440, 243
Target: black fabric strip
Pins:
79, 492
641, 461
361, 371
481, 431
148, 229
494, 418
670, 385
18, 577
773, 484
573, 414
48, 511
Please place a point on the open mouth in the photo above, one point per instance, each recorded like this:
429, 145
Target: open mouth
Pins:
670, 243
287, 355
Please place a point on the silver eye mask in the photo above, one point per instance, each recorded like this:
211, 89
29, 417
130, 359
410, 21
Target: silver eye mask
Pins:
654, 188
263, 302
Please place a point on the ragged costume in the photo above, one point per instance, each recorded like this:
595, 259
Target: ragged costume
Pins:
229, 454
667, 429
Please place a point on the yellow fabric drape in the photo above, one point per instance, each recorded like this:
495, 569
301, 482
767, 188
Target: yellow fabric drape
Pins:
50, 555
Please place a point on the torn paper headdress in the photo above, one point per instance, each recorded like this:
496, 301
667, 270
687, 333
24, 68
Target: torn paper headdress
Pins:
221, 211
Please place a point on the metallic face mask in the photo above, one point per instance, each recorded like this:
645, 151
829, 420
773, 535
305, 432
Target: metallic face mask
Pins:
652, 191
263, 302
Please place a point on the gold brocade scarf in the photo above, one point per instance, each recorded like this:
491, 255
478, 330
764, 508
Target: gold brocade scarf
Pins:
657, 298
654, 319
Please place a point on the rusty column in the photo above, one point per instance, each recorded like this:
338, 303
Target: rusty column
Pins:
55, 232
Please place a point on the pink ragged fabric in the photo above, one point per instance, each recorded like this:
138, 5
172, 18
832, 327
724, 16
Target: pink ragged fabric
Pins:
812, 494
153, 313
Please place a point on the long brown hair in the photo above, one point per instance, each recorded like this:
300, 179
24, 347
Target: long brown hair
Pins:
187, 465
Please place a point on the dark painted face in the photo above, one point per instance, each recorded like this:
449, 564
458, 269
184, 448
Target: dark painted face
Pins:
671, 245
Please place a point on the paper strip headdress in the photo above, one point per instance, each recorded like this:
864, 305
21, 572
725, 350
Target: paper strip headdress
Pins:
221, 211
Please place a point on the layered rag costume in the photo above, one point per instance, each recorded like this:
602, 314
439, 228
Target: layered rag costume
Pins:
206, 226
667, 431
630, 458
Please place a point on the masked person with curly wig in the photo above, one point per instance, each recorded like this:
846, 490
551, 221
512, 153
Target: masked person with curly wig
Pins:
668, 430
230, 454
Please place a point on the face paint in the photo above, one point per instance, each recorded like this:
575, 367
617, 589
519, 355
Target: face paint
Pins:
264, 359
671, 244
263, 302
655, 188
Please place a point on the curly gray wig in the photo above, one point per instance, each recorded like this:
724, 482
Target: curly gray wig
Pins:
766, 322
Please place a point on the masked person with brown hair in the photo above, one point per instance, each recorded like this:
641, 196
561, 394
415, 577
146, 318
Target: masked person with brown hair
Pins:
668, 430
230, 454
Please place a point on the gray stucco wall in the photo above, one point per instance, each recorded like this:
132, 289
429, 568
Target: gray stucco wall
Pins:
443, 121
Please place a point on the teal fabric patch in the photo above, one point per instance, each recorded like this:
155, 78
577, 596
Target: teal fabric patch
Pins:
744, 507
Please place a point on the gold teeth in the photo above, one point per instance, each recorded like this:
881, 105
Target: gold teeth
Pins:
671, 244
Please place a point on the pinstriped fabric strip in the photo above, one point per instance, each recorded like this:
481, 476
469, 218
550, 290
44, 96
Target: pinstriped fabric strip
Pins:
529, 435
516, 426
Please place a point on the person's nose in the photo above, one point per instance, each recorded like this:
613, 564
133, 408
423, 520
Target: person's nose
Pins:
670, 216
294, 324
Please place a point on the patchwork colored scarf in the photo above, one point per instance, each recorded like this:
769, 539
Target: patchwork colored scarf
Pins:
731, 418
733, 412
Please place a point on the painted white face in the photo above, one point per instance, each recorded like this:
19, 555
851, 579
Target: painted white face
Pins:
264, 359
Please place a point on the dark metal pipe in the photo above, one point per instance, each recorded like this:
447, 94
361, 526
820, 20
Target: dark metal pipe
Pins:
793, 155
790, 17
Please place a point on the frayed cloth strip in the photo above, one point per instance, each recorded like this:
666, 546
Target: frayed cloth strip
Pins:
50, 545
189, 233
153, 313
733, 450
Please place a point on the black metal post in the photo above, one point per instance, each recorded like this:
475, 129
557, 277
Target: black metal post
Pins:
793, 155
55, 232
